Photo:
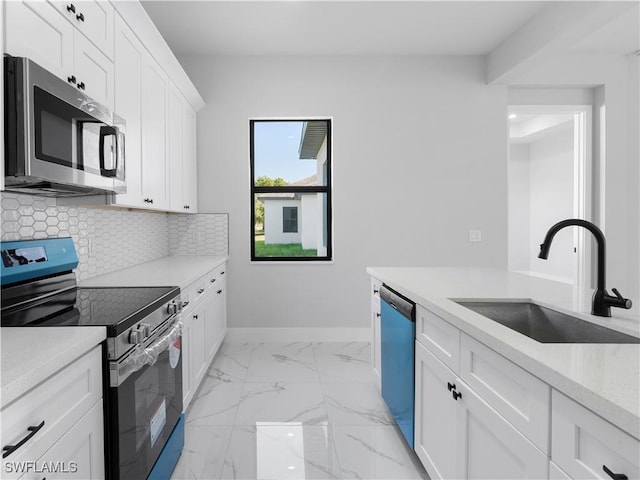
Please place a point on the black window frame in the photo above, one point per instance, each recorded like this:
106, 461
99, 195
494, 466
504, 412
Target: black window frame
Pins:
326, 189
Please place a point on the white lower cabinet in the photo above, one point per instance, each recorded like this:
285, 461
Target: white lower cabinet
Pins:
435, 415
459, 435
584, 444
58, 425
204, 318
489, 446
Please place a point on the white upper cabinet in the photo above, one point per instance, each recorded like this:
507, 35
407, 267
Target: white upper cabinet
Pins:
189, 160
155, 94
94, 18
40, 31
129, 63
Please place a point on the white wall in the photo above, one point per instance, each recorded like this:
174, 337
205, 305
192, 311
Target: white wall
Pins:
273, 222
419, 158
518, 220
617, 174
309, 220
551, 200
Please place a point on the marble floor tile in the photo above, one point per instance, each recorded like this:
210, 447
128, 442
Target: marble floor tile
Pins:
280, 362
281, 402
203, 454
231, 363
355, 404
281, 451
375, 452
215, 403
343, 362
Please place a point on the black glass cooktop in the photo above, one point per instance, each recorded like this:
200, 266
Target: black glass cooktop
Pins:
115, 308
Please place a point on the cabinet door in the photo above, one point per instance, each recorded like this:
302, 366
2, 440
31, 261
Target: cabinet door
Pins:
435, 415
489, 446
187, 370
189, 160
197, 345
129, 63
81, 449
582, 443
216, 318
154, 135
94, 19
176, 139
94, 71
36, 30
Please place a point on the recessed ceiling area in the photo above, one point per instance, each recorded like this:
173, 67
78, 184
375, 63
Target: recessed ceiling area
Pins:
356, 27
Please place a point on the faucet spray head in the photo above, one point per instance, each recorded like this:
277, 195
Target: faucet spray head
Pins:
544, 251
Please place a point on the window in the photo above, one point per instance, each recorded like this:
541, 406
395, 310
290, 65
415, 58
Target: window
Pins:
290, 189
290, 219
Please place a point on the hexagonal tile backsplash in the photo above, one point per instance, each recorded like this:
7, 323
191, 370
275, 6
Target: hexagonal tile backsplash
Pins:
109, 239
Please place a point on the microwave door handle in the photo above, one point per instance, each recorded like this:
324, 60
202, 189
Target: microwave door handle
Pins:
107, 131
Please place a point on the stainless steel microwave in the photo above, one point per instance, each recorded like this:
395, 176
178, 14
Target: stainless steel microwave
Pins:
58, 141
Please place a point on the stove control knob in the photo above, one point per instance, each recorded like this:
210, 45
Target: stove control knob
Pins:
172, 308
135, 337
146, 330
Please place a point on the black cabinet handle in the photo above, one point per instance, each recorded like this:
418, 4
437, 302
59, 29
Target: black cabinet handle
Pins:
200, 290
72, 79
456, 395
81, 86
213, 280
221, 273
80, 17
71, 8
219, 292
195, 316
184, 304
378, 315
375, 291
451, 386
615, 476
9, 449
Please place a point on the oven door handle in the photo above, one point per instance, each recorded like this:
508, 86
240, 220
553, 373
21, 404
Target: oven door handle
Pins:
120, 371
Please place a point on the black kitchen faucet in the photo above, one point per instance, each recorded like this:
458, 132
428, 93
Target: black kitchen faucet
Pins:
602, 301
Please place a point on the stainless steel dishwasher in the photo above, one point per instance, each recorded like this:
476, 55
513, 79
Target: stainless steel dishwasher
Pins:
397, 337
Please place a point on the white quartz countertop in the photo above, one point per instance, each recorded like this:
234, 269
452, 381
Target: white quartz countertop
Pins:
603, 377
30, 355
166, 271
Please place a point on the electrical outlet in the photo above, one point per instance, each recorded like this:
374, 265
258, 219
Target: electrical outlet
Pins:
475, 235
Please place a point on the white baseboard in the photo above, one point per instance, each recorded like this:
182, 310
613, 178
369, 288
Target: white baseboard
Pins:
298, 335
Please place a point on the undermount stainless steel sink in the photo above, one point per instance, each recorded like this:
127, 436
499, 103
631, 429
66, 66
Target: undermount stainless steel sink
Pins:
545, 325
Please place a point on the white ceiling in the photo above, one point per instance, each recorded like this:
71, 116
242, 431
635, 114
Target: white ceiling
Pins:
358, 27
305, 27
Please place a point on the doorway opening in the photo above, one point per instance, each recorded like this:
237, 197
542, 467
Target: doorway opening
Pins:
549, 178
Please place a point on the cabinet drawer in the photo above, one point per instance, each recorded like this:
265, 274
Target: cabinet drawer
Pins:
440, 337
520, 397
59, 402
582, 442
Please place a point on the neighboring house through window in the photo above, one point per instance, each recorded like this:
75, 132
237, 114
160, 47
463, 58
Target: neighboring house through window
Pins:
290, 189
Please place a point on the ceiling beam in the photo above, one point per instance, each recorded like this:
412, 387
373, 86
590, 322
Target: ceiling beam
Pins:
551, 31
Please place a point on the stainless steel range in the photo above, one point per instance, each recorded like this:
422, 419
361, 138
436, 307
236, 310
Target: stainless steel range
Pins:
144, 431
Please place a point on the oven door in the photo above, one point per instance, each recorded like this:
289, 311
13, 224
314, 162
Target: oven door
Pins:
143, 409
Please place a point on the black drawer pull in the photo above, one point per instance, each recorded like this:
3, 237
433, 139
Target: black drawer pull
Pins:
219, 292
9, 449
81, 86
184, 304
71, 8
72, 79
378, 315
200, 290
222, 273
80, 17
376, 291
456, 395
195, 316
615, 476
213, 280
451, 386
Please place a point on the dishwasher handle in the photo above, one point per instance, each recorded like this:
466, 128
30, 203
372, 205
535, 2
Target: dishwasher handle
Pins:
398, 302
